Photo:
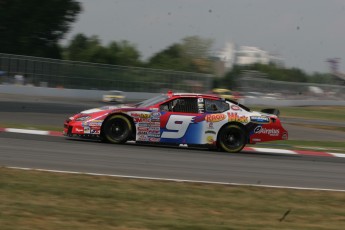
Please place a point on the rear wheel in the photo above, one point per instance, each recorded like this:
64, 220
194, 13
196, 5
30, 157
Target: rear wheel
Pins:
117, 129
232, 138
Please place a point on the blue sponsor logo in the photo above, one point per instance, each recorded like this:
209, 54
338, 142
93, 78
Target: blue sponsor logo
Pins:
260, 119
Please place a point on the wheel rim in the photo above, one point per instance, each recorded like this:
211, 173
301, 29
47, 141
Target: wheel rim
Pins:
118, 129
233, 139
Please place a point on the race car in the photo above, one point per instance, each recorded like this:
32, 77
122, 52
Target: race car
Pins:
114, 96
186, 119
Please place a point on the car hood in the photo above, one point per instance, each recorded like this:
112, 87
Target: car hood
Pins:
106, 108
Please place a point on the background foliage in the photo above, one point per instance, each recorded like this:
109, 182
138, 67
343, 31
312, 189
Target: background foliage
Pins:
35, 28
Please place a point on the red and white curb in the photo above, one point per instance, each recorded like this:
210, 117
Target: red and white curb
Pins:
29, 131
294, 152
246, 149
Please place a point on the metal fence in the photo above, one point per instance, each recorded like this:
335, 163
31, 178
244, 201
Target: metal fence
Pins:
80, 75
255, 84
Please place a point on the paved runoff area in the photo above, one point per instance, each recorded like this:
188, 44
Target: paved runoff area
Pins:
246, 149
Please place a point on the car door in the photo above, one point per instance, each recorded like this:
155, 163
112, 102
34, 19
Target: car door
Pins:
177, 121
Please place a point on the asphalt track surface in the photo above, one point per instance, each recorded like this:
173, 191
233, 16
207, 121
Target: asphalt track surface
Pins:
59, 153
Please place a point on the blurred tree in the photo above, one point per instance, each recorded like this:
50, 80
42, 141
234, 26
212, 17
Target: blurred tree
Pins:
34, 27
192, 55
123, 53
90, 49
82, 48
170, 58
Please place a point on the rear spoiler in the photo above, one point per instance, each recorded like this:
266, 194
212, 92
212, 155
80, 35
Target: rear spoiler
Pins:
271, 111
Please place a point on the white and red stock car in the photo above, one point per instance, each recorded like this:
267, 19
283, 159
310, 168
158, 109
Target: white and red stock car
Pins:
179, 118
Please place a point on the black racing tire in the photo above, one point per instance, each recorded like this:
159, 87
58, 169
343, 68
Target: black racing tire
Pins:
232, 138
117, 129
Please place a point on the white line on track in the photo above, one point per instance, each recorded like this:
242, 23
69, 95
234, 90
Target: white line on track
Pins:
176, 180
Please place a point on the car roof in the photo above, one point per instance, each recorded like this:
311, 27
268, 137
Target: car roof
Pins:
210, 96
221, 90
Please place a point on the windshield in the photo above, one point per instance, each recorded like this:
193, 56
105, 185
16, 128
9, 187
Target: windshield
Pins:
152, 101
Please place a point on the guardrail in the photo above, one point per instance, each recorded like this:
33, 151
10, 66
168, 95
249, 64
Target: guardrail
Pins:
53, 73
96, 95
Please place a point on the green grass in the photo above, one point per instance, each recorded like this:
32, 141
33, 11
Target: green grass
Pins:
329, 146
332, 113
41, 200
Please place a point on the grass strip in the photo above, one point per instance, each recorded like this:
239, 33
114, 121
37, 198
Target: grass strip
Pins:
331, 113
328, 146
41, 200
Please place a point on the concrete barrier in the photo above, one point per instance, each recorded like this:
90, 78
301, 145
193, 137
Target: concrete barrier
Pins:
81, 94
96, 95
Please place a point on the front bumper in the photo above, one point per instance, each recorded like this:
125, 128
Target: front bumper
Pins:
80, 129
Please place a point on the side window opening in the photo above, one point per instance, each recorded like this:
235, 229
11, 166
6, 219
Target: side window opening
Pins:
216, 106
184, 105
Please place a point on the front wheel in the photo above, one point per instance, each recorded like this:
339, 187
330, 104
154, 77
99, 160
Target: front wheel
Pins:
232, 138
117, 129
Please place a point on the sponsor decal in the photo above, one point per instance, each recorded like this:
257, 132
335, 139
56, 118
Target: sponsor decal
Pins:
79, 130
155, 114
95, 131
154, 124
92, 123
154, 128
200, 99
154, 131
260, 119
235, 107
143, 128
270, 132
86, 129
140, 120
215, 117
153, 139
145, 115
210, 125
135, 114
210, 132
153, 135
141, 115
142, 133
142, 138
236, 117
256, 139
210, 140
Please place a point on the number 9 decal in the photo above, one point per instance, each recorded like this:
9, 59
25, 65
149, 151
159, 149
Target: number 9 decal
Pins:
177, 126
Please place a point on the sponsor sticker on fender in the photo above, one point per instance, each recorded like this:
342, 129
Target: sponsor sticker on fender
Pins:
270, 132
143, 128
215, 117
238, 118
235, 107
260, 119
